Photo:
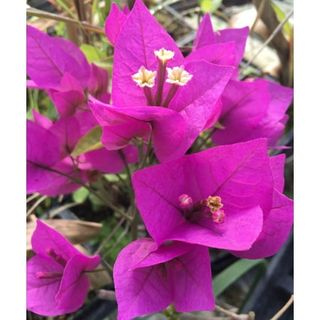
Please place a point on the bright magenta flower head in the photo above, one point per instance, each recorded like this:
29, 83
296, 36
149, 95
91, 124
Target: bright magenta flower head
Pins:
49, 151
59, 67
228, 197
148, 279
155, 90
223, 46
253, 109
56, 279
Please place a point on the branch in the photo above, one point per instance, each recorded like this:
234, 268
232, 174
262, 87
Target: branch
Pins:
249, 316
81, 183
35, 205
82, 24
283, 309
277, 39
271, 37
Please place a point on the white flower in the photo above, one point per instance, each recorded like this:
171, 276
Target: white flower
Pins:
178, 76
144, 77
164, 55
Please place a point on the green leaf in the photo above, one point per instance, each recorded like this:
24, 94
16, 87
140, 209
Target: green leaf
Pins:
287, 28
210, 6
115, 177
89, 142
80, 195
234, 272
91, 53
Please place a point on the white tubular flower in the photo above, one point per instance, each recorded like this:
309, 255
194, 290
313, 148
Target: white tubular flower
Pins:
164, 55
144, 77
178, 76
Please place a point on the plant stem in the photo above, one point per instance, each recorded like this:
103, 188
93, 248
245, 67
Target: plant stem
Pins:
144, 160
283, 309
35, 205
52, 16
89, 188
235, 316
273, 34
107, 239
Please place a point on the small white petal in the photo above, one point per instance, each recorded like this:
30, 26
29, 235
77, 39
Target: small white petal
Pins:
164, 55
144, 77
178, 76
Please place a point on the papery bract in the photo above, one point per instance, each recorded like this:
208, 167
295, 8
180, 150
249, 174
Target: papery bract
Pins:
231, 188
114, 23
51, 169
49, 58
140, 109
253, 109
59, 67
56, 282
277, 223
207, 37
148, 279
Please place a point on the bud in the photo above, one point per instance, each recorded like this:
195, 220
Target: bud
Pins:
185, 202
218, 216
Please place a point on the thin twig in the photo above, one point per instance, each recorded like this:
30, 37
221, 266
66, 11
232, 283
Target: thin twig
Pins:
273, 34
144, 160
35, 205
235, 316
33, 196
259, 13
283, 309
88, 187
107, 239
126, 166
122, 235
55, 211
106, 295
53, 16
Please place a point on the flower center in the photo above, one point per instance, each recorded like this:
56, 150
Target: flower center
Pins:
176, 77
210, 207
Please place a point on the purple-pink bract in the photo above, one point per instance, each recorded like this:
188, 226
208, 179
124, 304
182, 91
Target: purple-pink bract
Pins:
56, 282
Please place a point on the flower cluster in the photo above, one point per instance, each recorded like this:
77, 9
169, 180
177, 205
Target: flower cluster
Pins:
227, 197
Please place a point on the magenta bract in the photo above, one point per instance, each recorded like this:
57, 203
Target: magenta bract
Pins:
59, 67
206, 37
56, 282
253, 109
114, 22
152, 106
148, 279
231, 188
51, 170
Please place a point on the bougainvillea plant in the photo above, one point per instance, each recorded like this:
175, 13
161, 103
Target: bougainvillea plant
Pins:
191, 194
